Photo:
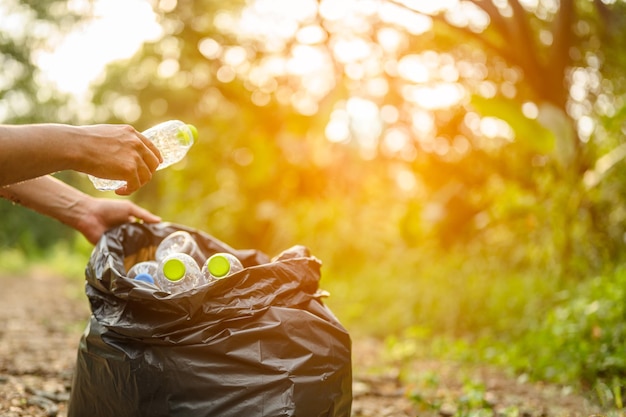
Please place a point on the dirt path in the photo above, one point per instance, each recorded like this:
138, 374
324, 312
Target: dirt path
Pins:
43, 316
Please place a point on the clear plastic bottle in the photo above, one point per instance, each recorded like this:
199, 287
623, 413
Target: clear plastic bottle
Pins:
179, 241
173, 139
178, 272
144, 267
220, 265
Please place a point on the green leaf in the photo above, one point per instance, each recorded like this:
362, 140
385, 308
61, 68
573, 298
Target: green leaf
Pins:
528, 132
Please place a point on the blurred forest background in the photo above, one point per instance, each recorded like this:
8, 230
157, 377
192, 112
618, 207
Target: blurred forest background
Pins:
458, 166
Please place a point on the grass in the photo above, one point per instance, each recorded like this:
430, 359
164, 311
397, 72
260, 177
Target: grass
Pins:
67, 259
439, 293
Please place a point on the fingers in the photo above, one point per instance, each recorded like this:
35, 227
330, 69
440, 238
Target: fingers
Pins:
119, 152
124, 191
154, 157
141, 177
138, 213
133, 185
149, 159
152, 147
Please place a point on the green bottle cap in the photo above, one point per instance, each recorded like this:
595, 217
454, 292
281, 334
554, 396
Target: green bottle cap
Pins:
183, 134
218, 265
194, 131
174, 269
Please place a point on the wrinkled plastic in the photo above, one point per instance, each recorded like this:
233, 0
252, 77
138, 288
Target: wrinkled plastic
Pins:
260, 343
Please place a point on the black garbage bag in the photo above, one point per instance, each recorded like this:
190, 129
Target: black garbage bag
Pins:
258, 343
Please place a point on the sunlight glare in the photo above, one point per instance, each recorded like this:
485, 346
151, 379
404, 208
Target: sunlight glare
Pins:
168, 68
586, 127
235, 56
335, 10
226, 74
337, 130
14, 21
390, 39
430, 6
167, 5
422, 123
117, 30
468, 14
306, 59
461, 145
365, 124
530, 110
365, 37
395, 140
435, 96
411, 68
273, 20
492, 128
389, 114
377, 87
405, 179
351, 49
299, 10
311, 35
209, 48
414, 23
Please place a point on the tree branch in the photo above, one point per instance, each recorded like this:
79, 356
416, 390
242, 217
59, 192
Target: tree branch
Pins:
559, 58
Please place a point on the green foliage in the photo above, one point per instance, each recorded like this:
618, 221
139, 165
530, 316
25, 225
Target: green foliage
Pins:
67, 258
580, 340
529, 132
584, 336
27, 231
574, 336
23, 97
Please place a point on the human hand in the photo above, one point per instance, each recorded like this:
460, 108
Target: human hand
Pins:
102, 214
89, 215
118, 152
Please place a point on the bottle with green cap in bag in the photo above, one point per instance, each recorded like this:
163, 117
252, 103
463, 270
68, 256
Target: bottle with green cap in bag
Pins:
178, 272
220, 265
173, 139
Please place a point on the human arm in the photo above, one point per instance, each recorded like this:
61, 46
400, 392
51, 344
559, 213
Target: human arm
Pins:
116, 152
89, 215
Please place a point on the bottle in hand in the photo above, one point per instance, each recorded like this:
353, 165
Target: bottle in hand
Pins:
173, 139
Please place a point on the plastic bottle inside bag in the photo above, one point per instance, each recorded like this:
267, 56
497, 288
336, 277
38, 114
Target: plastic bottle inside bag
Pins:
178, 272
179, 241
220, 265
144, 267
173, 139
145, 277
